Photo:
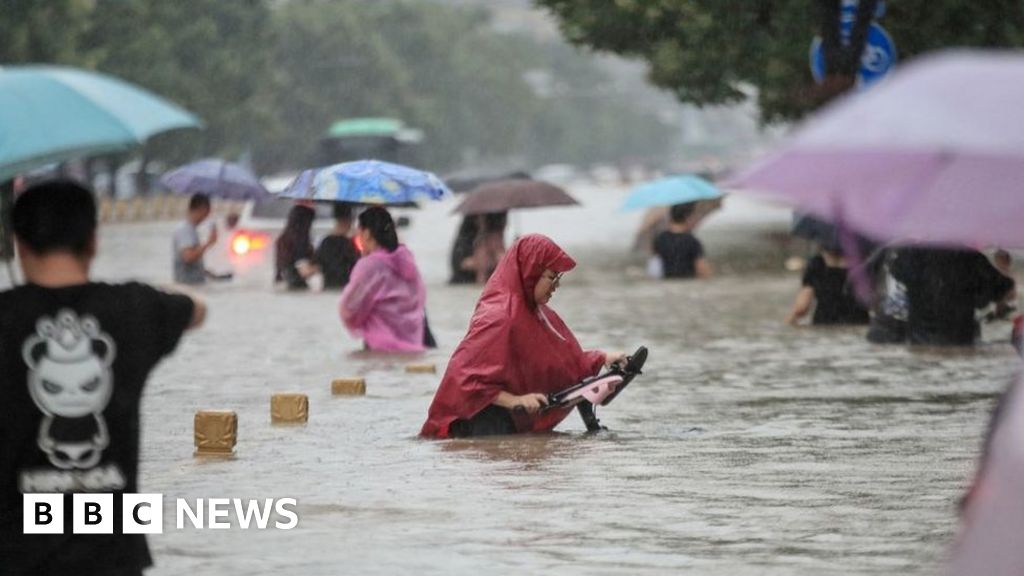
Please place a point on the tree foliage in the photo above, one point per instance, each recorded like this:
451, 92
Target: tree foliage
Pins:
710, 51
269, 76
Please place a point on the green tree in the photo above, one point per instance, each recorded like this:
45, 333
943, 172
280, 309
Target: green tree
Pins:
271, 76
709, 51
43, 32
207, 55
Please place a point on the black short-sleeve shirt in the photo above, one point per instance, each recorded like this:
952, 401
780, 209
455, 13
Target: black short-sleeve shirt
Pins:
679, 252
336, 255
73, 362
835, 302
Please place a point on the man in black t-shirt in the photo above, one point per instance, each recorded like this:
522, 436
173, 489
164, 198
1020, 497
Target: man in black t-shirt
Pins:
680, 253
337, 253
74, 356
944, 287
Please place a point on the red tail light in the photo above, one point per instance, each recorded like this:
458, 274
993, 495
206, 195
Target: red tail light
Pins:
241, 244
244, 242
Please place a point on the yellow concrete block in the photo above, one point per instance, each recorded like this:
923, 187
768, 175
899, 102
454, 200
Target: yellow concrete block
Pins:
138, 208
289, 408
106, 209
349, 386
120, 210
421, 369
167, 207
216, 432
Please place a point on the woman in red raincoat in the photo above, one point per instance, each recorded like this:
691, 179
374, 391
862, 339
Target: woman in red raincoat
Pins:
517, 351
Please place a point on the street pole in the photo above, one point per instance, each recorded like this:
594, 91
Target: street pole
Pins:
6, 228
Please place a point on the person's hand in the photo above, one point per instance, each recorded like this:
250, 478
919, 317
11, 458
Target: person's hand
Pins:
532, 403
793, 320
306, 268
213, 237
614, 358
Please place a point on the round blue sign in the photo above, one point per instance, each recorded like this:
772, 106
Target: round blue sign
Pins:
877, 60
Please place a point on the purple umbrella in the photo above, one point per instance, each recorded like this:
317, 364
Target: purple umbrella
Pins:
991, 540
934, 154
217, 178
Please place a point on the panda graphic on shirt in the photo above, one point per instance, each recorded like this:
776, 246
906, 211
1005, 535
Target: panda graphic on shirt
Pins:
70, 381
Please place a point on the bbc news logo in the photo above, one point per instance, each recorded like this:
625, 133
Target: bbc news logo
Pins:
143, 513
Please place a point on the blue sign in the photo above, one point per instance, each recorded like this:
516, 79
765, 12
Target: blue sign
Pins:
848, 15
877, 60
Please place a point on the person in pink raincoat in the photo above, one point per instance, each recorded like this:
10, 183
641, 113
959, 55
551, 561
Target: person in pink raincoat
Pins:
384, 300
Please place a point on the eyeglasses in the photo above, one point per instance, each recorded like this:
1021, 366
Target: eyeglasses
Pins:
556, 279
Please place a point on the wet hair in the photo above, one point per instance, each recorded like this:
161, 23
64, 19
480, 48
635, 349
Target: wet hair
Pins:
296, 227
198, 200
495, 221
382, 228
680, 212
55, 216
294, 243
341, 211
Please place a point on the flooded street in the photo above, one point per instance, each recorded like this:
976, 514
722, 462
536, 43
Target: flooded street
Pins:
747, 447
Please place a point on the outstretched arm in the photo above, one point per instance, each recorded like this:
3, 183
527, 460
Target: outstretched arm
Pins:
804, 301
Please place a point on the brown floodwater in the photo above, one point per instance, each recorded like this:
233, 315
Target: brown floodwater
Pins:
747, 447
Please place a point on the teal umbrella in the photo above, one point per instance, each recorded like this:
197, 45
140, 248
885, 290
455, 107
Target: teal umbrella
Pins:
671, 190
51, 113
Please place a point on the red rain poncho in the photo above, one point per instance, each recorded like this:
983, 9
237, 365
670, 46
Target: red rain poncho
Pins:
513, 345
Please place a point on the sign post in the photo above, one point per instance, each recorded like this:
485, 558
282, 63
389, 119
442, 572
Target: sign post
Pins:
879, 55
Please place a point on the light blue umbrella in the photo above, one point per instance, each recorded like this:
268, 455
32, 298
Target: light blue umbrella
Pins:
671, 190
367, 182
50, 114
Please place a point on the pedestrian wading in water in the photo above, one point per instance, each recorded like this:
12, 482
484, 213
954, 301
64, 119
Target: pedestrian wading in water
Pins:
516, 352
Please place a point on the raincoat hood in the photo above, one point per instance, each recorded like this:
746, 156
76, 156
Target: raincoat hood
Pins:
513, 345
522, 266
383, 302
401, 262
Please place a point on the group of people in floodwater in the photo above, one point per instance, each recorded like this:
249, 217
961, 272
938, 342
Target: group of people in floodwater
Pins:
517, 350
923, 295
76, 353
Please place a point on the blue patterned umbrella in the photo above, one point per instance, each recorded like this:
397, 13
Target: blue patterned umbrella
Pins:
367, 182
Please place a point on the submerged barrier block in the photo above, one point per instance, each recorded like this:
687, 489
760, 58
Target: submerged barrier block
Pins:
216, 432
349, 386
289, 408
106, 209
120, 210
421, 369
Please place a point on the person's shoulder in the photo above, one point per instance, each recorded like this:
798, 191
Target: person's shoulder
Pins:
492, 315
132, 291
10, 296
815, 267
663, 237
185, 231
